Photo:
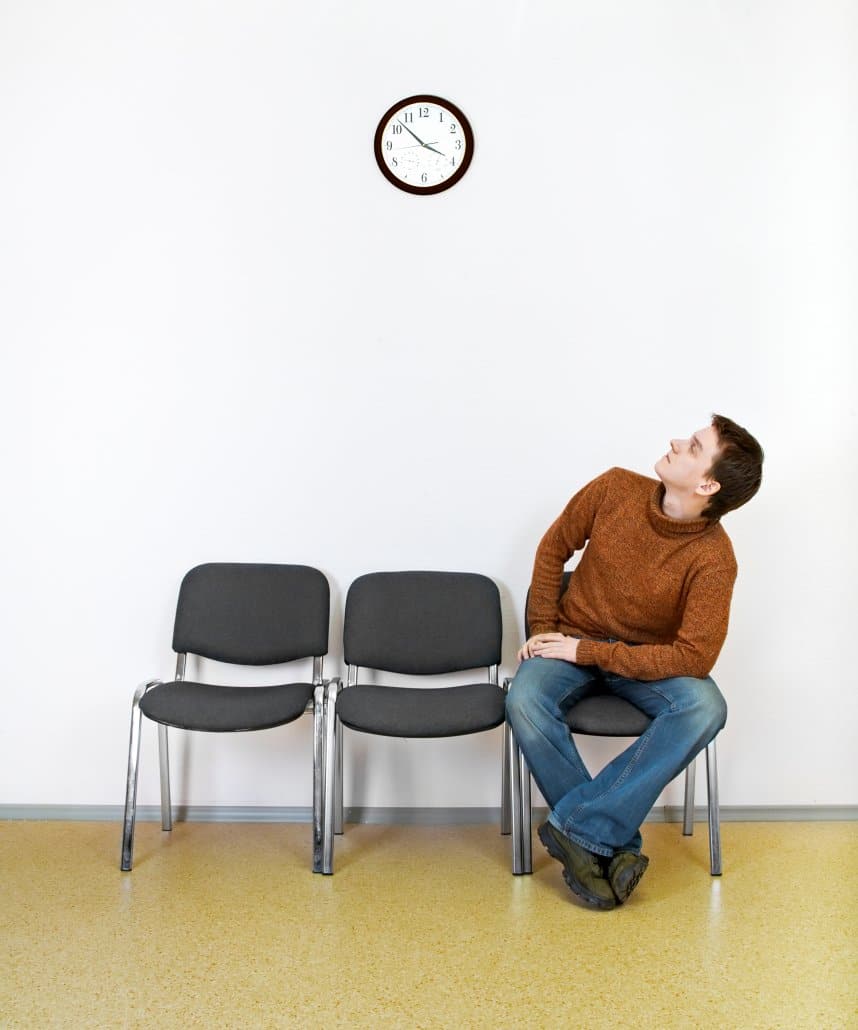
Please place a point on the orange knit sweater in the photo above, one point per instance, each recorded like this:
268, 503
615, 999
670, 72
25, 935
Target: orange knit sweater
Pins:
644, 579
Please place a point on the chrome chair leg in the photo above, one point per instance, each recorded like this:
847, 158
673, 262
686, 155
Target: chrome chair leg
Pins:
127, 858
330, 751
515, 797
318, 773
338, 780
714, 810
688, 811
505, 798
526, 816
164, 764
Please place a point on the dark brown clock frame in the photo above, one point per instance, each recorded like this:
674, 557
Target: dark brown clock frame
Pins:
467, 131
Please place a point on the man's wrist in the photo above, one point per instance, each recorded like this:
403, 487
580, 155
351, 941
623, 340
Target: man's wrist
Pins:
585, 654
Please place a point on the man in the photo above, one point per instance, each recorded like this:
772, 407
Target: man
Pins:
645, 616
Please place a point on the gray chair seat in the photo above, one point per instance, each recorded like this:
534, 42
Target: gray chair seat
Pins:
606, 715
216, 709
421, 712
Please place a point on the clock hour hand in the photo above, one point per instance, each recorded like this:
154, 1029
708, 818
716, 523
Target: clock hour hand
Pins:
426, 146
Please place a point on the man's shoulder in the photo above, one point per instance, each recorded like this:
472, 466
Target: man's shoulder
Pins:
622, 475
721, 547
627, 481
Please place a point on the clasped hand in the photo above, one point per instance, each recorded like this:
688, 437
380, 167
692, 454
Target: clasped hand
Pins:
550, 645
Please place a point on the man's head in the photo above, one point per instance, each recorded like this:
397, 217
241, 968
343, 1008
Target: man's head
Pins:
738, 468
715, 470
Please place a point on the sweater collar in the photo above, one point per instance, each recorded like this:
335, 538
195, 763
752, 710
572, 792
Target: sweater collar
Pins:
667, 526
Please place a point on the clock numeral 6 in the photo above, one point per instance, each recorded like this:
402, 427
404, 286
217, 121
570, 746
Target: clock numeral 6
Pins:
424, 177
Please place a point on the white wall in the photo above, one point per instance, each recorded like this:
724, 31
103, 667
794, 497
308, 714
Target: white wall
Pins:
226, 337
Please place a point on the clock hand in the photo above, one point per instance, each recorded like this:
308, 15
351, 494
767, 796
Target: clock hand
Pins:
414, 134
426, 146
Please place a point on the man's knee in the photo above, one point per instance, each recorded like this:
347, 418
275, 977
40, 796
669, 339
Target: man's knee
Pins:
529, 688
520, 696
544, 687
706, 703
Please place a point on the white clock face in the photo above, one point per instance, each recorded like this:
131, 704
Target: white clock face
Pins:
424, 144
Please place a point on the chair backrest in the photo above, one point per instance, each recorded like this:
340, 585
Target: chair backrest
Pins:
422, 623
566, 577
249, 614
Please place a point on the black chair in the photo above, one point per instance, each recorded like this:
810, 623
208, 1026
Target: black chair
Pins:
602, 714
416, 624
244, 615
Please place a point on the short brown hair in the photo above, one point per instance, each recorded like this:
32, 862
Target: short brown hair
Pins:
738, 468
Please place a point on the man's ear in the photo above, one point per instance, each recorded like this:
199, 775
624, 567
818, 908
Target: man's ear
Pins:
708, 488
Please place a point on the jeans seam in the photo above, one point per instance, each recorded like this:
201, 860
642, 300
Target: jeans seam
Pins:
619, 781
643, 747
526, 716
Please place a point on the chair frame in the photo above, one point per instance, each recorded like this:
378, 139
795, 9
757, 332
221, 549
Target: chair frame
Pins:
510, 825
519, 774
316, 708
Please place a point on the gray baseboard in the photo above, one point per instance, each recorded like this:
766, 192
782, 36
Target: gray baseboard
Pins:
404, 816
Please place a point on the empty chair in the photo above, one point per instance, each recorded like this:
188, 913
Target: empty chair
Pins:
602, 714
243, 614
417, 624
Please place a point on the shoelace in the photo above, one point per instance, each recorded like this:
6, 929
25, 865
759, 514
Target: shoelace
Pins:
596, 865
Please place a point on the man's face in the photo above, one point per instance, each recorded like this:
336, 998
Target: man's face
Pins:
686, 463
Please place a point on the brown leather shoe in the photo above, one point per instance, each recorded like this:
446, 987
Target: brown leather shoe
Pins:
625, 870
582, 870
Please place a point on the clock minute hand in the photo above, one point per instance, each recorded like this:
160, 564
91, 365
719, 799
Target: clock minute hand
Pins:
414, 134
426, 146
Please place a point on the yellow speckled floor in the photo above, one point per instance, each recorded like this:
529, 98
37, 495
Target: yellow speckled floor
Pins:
225, 926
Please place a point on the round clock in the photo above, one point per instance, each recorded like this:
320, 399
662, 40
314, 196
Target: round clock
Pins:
424, 144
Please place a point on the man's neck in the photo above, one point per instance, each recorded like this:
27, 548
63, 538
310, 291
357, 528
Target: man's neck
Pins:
681, 507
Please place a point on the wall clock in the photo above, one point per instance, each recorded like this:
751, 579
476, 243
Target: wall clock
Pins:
424, 144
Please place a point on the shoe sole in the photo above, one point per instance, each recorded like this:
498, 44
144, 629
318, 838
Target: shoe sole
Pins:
577, 888
624, 894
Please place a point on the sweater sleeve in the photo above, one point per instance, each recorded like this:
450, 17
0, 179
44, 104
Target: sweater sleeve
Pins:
698, 640
569, 532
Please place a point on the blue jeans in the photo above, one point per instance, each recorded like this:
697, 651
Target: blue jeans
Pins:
604, 813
